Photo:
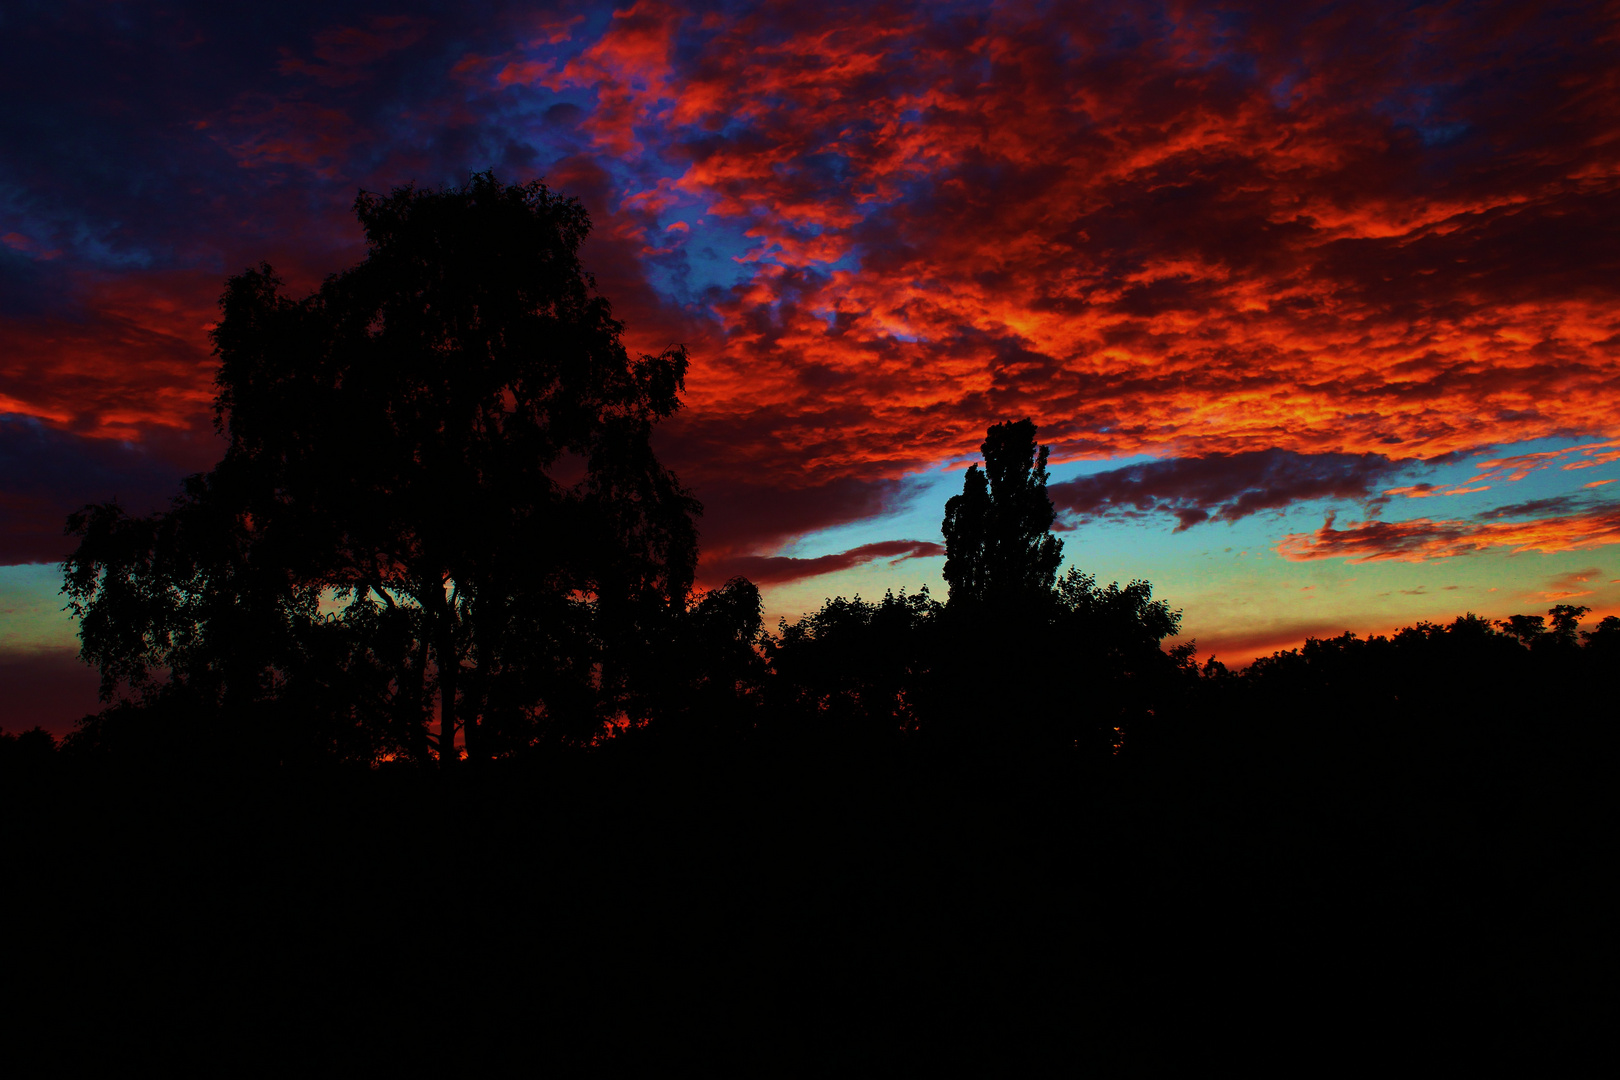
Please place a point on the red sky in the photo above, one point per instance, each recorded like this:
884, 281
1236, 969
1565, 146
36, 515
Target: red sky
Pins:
1304, 280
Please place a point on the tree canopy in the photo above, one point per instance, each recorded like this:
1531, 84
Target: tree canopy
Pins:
439, 514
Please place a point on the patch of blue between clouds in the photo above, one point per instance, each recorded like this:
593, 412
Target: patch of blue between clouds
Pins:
708, 258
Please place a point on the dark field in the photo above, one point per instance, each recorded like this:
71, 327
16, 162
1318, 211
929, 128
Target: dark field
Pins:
788, 912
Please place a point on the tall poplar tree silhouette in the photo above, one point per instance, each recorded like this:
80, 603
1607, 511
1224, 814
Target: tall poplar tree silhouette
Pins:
999, 547
439, 521
1010, 624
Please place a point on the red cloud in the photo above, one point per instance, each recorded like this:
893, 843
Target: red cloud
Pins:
1135, 249
629, 69
140, 362
1423, 539
289, 132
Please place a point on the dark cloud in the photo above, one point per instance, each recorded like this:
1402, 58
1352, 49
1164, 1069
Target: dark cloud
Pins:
740, 518
780, 569
1553, 504
30, 286
49, 473
1225, 487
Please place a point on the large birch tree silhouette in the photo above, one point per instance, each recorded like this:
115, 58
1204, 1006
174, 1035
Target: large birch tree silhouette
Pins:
439, 525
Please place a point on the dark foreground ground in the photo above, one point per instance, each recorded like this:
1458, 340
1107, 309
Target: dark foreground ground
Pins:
785, 914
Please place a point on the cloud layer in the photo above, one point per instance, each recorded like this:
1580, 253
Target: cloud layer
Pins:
1285, 244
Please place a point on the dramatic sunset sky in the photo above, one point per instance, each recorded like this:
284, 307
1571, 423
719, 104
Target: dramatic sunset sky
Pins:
1317, 304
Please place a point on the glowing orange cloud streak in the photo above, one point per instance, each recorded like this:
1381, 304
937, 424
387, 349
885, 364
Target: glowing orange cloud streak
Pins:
1422, 539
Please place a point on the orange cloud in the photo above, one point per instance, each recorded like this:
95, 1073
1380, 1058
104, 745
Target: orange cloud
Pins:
1427, 491
1423, 539
1573, 584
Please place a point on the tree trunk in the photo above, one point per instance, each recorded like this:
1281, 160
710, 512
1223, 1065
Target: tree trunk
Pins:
449, 669
447, 708
477, 695
415, 734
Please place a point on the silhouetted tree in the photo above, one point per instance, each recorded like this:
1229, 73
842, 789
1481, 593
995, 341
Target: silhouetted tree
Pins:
1471, 695
1109, 671
439, 512
1527, 629
1020, 658
26, 747
999, 547
1606, 636
706, 672
852, 672
1565, 619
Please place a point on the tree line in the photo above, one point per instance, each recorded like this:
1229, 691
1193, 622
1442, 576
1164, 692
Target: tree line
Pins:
439, 533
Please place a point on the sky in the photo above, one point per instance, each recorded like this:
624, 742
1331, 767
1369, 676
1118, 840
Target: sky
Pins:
1317, 304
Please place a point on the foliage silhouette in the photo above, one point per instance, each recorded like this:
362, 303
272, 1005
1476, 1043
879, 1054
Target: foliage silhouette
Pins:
1027, 659
439, 513
1607, 635
1565, 619
999, 547
705, 674
29, 747
1016, 661
855, 673
1469, 697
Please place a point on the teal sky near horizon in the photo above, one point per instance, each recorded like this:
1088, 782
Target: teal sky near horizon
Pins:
1240, 598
